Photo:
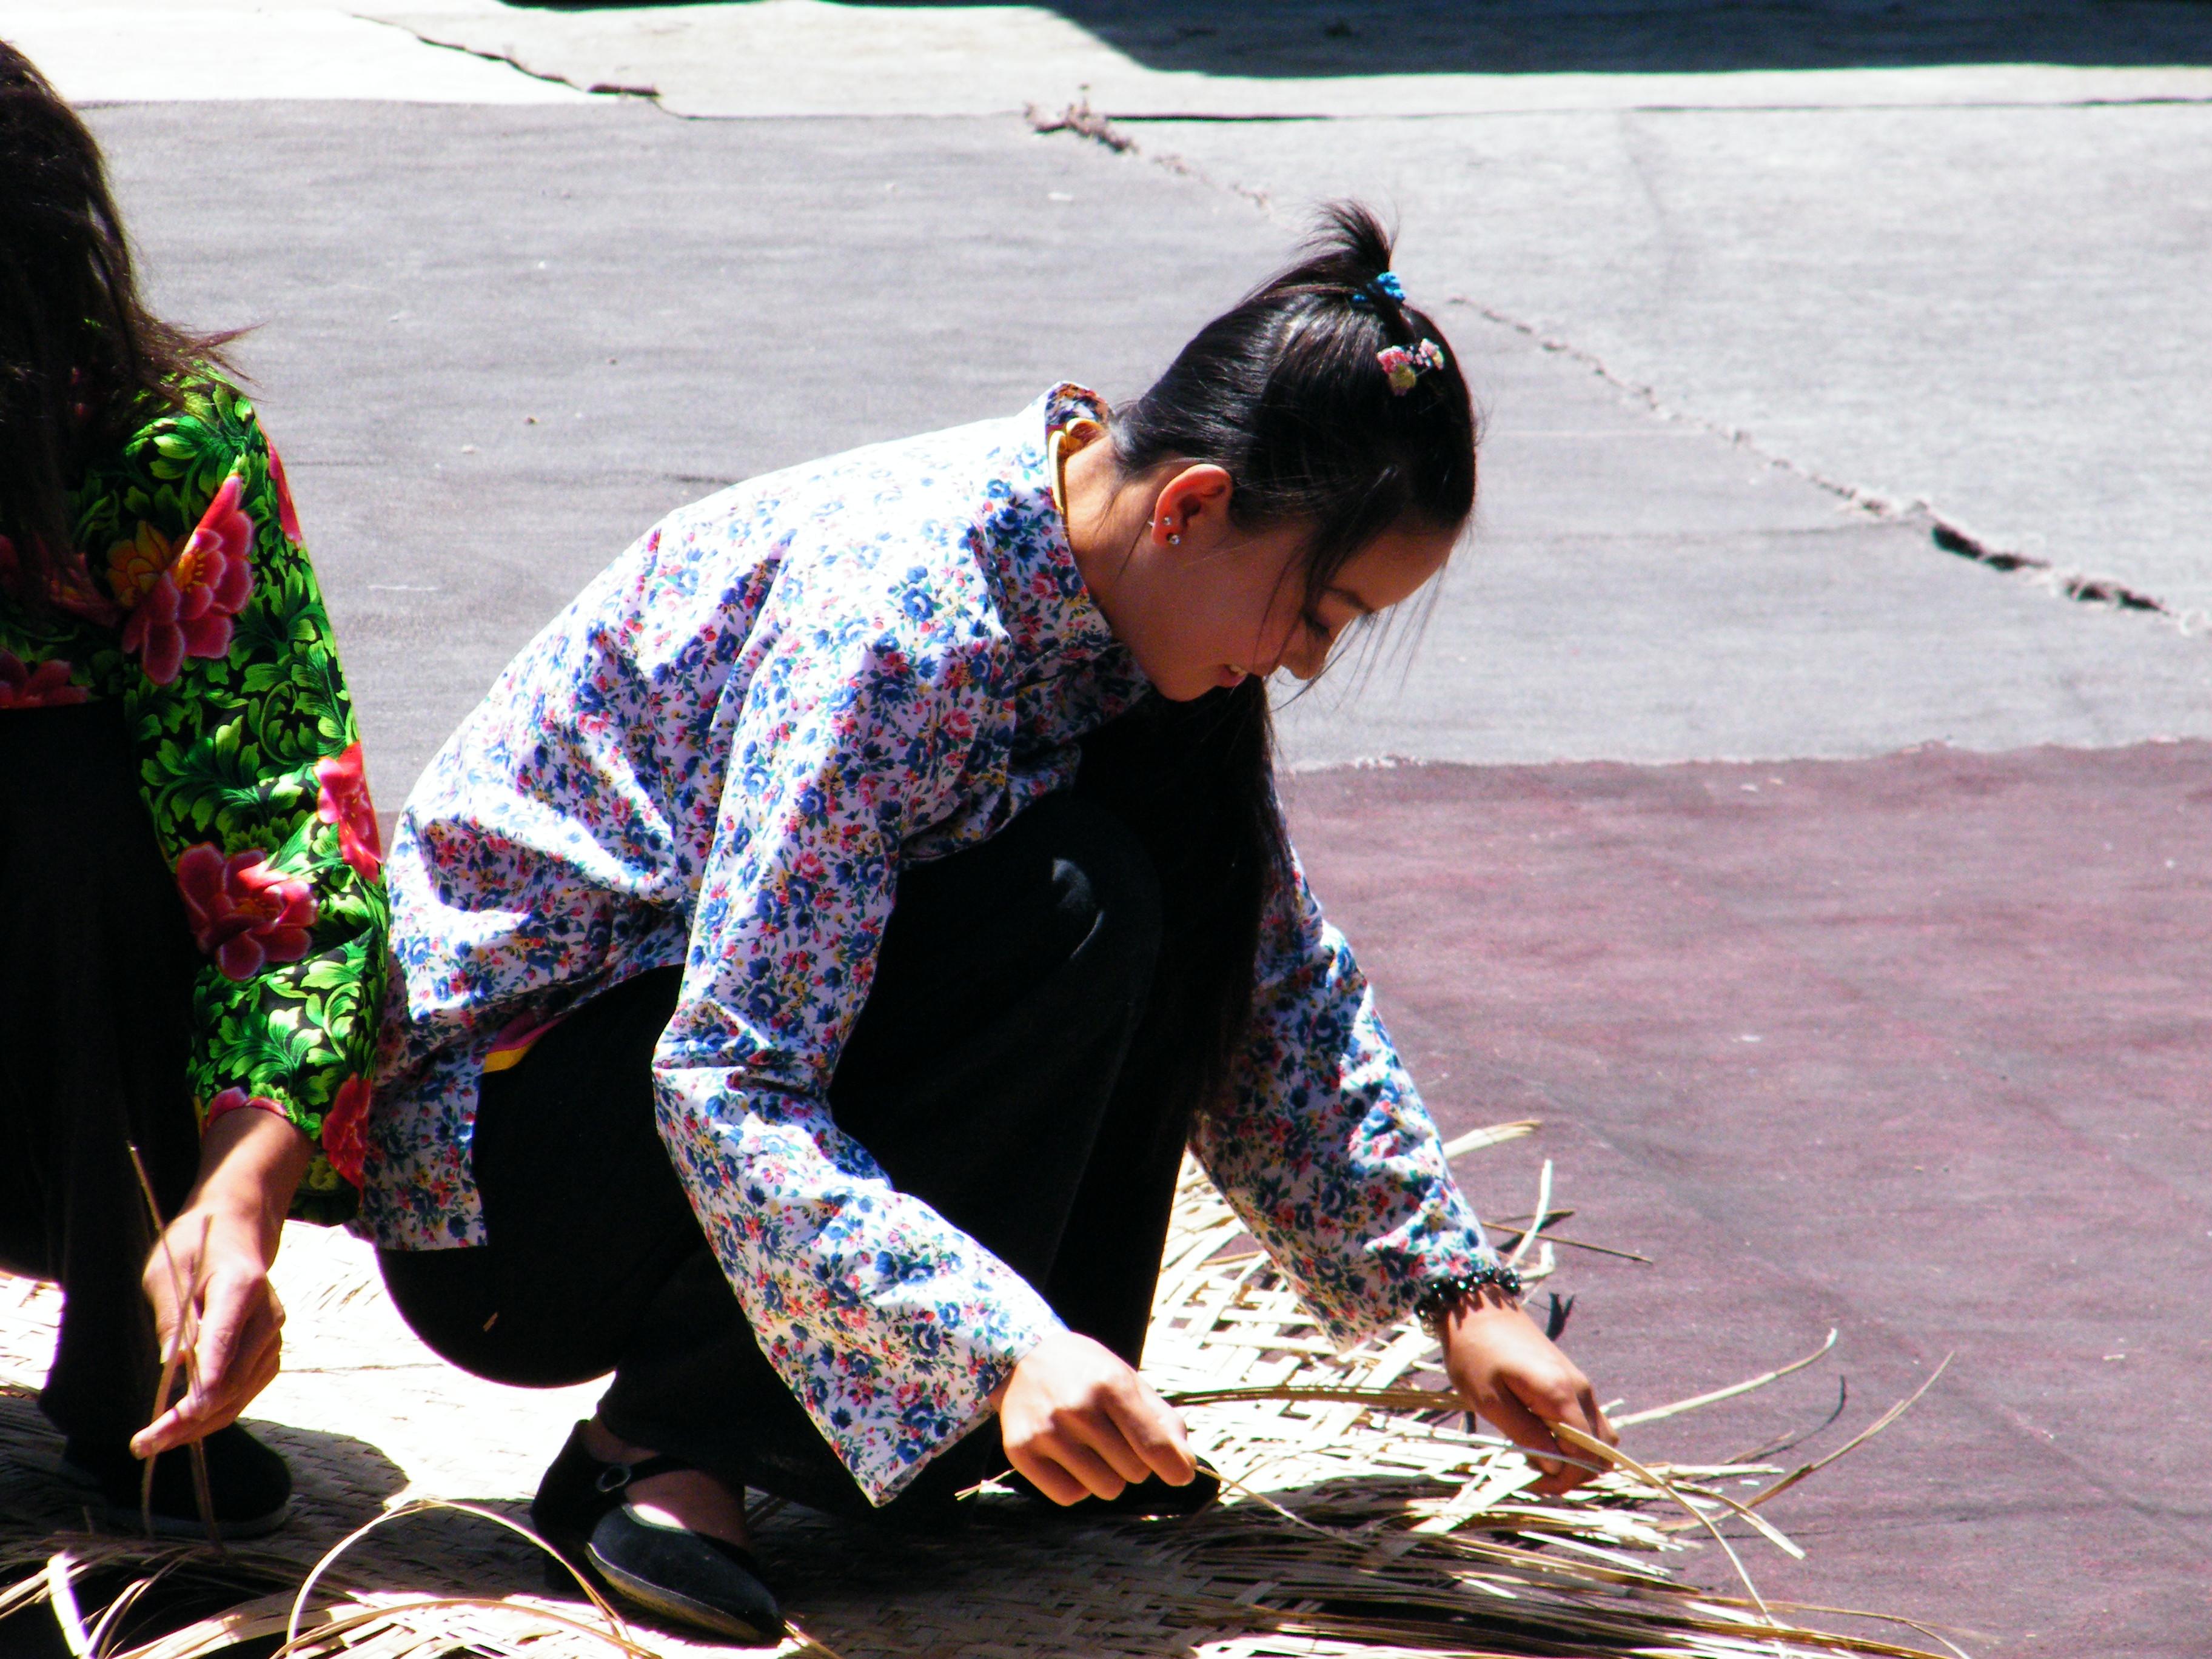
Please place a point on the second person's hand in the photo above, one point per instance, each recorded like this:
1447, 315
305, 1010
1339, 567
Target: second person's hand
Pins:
237, 1327
1078, 1422
213, 1275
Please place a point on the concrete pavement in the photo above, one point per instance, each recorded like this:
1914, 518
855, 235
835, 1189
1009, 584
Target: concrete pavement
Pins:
552, 326
1641, 588
1955, 254
1996, 310
196, 51
1159, 59
1946, 267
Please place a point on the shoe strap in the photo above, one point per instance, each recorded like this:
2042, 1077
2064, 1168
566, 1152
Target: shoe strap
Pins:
618, 1477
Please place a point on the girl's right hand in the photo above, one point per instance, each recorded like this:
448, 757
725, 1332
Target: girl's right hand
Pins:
1509, 1373
1078, 1423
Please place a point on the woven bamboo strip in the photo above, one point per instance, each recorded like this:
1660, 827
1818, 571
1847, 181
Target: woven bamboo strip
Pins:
1362, 1519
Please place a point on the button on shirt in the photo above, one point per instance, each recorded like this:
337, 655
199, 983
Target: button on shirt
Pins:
719, 756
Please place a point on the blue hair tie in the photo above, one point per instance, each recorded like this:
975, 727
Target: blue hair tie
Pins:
1388, 283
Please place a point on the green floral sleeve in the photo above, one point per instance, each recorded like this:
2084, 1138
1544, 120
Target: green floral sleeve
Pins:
251, 765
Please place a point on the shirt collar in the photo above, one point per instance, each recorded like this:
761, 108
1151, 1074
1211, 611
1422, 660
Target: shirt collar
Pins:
1048, 610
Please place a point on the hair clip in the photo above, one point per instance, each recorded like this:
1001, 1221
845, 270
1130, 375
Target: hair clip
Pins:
1388, 283
1406, 364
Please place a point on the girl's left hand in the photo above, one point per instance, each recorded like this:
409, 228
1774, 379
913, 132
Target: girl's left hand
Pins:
1513, 1376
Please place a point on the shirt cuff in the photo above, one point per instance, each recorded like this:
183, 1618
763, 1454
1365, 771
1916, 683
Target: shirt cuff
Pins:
964, 1406
237, 1100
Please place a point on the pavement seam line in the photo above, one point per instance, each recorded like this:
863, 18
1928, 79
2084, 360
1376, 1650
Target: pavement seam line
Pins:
597, 88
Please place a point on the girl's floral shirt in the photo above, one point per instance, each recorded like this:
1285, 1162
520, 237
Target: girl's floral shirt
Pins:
721, 755
189, 601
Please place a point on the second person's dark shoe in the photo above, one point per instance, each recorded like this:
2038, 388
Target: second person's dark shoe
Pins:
687, 1578
251, 1486
1146, 1500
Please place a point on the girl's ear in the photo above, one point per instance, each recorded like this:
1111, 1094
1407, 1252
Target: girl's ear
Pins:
1195, 499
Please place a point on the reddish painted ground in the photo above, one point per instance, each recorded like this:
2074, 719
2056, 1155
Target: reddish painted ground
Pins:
1914, 1047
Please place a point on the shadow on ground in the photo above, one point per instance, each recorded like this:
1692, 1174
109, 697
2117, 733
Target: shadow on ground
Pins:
338, 1481
1327, 38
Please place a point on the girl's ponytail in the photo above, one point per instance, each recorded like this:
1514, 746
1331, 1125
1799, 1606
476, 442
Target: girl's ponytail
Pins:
1334, 404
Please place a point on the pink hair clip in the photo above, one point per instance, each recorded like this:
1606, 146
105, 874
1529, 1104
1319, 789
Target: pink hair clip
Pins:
1406, 364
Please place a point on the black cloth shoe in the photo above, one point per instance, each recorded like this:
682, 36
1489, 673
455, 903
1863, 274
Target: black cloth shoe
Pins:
685, 1578
1144, 1500
250, 1487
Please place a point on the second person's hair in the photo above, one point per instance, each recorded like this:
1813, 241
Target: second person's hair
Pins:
81, 356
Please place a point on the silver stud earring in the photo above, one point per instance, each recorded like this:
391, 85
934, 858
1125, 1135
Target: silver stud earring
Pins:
1174, 541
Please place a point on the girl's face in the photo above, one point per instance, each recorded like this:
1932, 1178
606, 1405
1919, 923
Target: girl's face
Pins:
1201, 603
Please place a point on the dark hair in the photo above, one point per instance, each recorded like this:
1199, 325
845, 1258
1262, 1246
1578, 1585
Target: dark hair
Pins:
81, 357
1285, 392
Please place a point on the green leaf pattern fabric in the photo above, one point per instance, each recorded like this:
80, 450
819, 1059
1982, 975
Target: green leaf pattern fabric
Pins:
193, 603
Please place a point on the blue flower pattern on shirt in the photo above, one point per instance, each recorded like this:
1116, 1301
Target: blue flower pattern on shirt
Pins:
720, 756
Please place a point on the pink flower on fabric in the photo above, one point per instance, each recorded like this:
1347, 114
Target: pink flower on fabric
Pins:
181, 598
244, 913
288, 516
344, 802
342, 1137
237, 1100
46, 686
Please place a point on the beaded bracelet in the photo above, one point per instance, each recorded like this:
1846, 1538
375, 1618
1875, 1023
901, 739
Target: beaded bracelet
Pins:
1443, 1295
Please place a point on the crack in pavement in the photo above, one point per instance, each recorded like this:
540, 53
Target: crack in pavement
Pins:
1946, 533
1087, 123
597, 88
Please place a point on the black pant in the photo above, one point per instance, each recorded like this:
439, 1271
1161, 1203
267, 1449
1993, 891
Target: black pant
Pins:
999, 1072
97, 970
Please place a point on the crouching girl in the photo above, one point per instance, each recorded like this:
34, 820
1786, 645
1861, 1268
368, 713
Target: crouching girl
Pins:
815, 954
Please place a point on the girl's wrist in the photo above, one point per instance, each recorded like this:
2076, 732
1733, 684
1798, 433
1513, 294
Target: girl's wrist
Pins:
1490, 1285
249, 1164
